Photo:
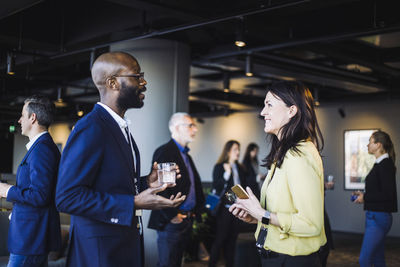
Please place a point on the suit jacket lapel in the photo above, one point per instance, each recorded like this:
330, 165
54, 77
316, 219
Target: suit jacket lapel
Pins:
44, 136
114, 128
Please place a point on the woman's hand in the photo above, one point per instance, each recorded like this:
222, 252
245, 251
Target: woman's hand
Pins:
227, 168
241, 214
251, 205
360, 197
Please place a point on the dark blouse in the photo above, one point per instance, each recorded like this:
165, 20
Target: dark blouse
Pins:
380, 187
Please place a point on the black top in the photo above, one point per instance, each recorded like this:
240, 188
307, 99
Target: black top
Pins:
169, 152
251, 174
380, 187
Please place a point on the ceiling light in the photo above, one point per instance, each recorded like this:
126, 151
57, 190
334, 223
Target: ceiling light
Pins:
59, 95
10, 63
80, 113
240, 40
92, 57
249, 66
316, 97
226, 82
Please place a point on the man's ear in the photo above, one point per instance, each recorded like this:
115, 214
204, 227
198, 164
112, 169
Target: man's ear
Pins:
292, 111
112, 83
33, 118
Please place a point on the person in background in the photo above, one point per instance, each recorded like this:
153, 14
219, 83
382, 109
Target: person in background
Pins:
35, 223
251, 165
379, 199
290, 213
227, 173
174, 225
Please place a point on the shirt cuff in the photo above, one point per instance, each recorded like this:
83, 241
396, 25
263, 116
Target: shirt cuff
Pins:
226, 176
8, 191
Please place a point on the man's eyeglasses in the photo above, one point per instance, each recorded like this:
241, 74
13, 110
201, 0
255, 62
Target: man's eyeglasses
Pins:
139, 76
189, 125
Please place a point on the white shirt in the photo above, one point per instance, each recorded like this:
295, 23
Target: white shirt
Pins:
121, 122
33, 140
384, 156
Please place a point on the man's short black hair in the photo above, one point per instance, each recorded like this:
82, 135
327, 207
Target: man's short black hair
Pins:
42, 107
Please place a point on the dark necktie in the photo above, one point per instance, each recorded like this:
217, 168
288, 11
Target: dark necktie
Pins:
136, 170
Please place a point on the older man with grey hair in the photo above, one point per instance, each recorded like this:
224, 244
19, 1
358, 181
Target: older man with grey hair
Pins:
174, 225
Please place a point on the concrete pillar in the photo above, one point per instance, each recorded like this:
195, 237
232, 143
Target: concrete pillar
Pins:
166, 67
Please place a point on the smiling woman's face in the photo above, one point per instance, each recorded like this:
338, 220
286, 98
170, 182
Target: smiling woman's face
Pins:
276, 114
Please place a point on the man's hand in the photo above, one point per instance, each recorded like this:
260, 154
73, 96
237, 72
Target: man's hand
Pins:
3, 189
178, 218
152, 179
148, 199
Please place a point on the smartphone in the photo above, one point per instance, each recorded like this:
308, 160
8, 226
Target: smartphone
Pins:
239, 191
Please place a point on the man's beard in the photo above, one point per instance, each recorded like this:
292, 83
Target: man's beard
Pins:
129, 97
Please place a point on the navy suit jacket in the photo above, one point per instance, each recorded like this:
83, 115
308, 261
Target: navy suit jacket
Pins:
96, 186
35, 222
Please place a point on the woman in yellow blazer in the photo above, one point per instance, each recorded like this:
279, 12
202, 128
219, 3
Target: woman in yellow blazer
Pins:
290, 213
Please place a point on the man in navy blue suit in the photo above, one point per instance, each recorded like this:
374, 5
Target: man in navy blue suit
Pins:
99, 177
35, 223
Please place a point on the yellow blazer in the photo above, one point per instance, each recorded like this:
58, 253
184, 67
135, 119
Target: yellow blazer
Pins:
296, 195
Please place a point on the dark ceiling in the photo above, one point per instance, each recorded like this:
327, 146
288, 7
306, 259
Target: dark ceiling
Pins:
344, 50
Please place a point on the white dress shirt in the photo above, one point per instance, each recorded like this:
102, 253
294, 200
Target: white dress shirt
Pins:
121, 122
33, 140
384, 156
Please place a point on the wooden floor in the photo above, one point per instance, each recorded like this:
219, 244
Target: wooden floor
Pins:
346, 252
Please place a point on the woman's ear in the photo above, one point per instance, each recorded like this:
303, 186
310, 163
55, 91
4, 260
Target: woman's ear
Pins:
292, 111
380, 147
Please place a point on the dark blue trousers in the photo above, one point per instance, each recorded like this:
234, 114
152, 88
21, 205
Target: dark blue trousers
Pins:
27, 261
377, 225
172, 243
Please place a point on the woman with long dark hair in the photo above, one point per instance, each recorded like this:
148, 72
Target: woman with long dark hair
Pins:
290, 213
227, 173
380, 199
251, 165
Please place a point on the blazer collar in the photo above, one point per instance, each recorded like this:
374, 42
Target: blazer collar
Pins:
117, 133
43, 137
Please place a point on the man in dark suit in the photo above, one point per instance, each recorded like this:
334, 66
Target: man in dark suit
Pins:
174, 225
35, 223
99, 177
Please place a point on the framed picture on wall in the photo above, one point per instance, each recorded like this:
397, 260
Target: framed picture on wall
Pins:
357, 161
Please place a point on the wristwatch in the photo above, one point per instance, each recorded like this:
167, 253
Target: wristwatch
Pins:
265, 219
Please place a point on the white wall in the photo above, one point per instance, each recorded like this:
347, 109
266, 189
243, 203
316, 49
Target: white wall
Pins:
215, 132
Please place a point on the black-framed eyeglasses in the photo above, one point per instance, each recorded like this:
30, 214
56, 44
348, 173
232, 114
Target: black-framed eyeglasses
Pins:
139, 76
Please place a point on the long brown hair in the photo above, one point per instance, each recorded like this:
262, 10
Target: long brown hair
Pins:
224, 158
303, 126
387, 144
247, 158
